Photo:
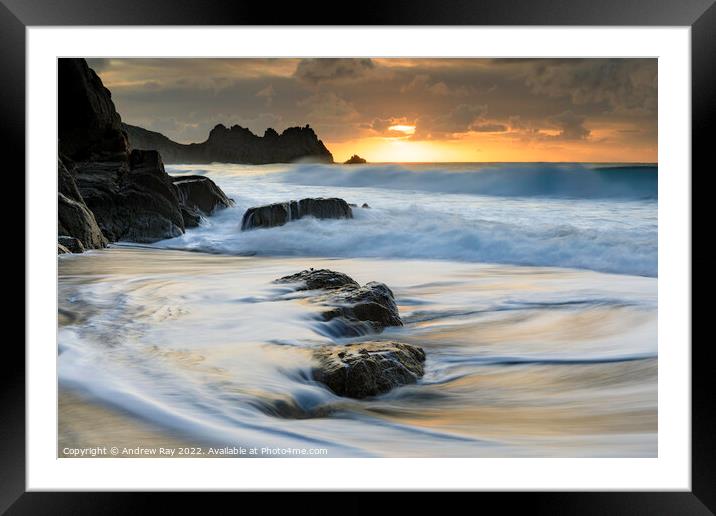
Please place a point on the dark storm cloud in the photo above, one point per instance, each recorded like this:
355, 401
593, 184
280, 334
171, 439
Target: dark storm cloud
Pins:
331, 69
537, 99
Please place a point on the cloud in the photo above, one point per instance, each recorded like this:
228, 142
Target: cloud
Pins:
570, 126
457, 120
488, 127
267, 92
543, 102
329, 69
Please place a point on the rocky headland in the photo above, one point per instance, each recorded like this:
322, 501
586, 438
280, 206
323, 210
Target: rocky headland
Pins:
235, 144
107, 191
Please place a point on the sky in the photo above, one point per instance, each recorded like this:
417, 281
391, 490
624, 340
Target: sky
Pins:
405, 109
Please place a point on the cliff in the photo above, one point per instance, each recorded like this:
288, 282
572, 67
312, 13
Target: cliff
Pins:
107, 191
235, 145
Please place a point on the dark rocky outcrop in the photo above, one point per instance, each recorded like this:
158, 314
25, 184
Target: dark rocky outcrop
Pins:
199, 196
90, 129
134, 202
368, 369
315, 279
107, 193
353, 309
70, 244
365, 205
280, 213
74, 218
235, 144
355, 160
61, 249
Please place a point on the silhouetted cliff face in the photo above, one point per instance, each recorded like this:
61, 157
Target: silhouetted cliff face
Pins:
235, 145
107, 193
90, 129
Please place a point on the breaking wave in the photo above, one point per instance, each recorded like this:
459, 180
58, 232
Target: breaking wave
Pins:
518, 180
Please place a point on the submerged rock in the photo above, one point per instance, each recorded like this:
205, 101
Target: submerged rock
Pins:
368, 368
279, 214
354, 309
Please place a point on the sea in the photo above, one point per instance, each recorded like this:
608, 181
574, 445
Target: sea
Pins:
532, 288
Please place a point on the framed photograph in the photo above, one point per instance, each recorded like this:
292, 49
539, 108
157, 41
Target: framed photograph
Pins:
437, 249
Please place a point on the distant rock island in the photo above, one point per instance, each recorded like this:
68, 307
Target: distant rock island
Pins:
355, 160
235, 144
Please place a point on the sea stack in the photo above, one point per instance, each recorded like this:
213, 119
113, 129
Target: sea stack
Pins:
355, 160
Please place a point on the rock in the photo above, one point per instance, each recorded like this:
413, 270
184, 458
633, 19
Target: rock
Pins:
201, 193
137, 202
190, 215
74, 218
355, 160
365, 205
110, 193
61, 249
314, 279
235, 145
72, 244
354, 310
89, 126
280, 213
368, 369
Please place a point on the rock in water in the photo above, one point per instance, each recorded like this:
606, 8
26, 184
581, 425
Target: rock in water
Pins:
279, 214
354, 160
368, 368
314, 279
199, 195
354, 309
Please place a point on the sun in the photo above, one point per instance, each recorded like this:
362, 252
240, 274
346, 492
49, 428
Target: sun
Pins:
405, 129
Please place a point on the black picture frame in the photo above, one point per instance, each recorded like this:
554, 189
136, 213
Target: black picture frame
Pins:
700, 15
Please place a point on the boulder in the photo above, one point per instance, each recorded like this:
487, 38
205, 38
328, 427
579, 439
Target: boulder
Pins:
368, 369
200, 193
137, 202
72, 244
355, 160
314, 279
61, 249
74, 218
279, 214
365, 205
353, 309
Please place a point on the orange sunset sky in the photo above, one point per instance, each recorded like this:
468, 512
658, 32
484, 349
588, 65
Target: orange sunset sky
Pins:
403, 110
